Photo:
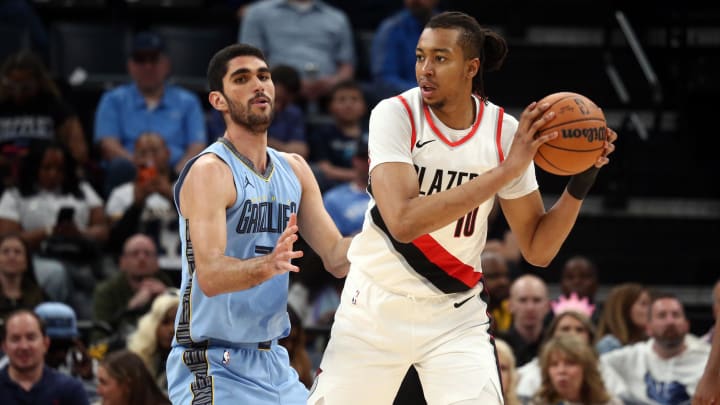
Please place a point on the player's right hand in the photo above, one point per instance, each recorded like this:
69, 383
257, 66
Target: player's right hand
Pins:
525, 144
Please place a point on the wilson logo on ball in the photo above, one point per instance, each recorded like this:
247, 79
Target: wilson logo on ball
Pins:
591, 134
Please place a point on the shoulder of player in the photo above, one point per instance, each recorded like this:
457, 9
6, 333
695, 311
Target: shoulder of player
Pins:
398, 106
208, 176
298, 164
509, 119
209, 161
209, 168
509, 122
411, 97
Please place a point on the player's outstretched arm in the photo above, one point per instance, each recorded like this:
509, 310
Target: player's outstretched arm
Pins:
315, 224
206, 193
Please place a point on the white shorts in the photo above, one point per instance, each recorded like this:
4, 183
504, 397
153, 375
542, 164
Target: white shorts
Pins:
377, 335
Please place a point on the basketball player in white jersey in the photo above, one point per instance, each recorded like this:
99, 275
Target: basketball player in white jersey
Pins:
439, 154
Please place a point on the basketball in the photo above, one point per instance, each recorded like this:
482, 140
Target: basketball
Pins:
582, 131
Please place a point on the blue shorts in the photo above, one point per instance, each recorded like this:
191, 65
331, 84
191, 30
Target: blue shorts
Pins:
242, 374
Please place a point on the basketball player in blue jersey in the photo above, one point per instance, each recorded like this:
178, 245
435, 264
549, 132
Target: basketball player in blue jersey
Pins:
414, 296
241, 206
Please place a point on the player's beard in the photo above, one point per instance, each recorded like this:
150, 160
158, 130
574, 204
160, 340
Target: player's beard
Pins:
243, 116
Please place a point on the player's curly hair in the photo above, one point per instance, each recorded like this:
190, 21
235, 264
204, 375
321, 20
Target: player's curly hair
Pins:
476, 41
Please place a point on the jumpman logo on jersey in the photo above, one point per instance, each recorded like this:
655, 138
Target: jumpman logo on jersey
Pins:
247, 183
419, 144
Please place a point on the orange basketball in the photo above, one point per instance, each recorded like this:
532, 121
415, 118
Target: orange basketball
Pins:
582, 130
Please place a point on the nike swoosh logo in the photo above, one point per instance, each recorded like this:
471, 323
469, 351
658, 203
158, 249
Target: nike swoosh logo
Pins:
459, 304
418, 144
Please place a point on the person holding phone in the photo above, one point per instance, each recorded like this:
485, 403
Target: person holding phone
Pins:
145, 205
66, 238
50, 193
65, 222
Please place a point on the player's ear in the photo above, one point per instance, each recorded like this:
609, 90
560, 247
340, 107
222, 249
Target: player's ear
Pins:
473, 66
217, 100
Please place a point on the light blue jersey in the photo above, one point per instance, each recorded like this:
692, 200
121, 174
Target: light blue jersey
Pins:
211, 330
254, 223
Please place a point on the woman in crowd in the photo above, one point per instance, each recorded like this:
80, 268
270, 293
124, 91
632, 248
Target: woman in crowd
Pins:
624, 317
123, 379
154, 334
570, 375
508, 373
574, 323
50, 200
18, 287
32, 110
60, 217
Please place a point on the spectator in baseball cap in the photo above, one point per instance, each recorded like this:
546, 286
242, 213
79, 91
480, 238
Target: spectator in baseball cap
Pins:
67, 353
148, 104
59, 318
147, 44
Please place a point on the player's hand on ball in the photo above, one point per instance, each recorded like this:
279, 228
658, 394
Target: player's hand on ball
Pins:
525, 143
608, 148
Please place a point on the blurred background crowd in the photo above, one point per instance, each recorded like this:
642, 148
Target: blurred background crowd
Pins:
103, 101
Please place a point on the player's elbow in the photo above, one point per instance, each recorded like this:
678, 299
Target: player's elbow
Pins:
538, 260
338, 270
404, 237
206, 284
403, 233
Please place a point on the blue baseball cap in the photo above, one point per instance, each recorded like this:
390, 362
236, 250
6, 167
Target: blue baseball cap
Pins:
60, 320
147, 42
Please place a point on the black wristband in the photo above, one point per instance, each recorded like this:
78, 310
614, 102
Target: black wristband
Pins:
579, 184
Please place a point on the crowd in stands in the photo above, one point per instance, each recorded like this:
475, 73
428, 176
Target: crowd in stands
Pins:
89, 229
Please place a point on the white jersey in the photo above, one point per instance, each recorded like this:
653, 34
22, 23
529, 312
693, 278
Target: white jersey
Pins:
447, 260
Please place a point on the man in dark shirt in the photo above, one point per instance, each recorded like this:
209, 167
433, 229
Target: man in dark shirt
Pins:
26, 379
529, 305
123, 298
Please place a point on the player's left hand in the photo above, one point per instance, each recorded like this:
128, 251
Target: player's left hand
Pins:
279, 260
608, 147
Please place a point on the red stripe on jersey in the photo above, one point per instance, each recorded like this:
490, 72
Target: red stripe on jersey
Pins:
498, 136
462, 140
412, 121
437, 254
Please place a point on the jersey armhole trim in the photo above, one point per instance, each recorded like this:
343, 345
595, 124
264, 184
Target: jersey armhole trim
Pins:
413, 136
498, 136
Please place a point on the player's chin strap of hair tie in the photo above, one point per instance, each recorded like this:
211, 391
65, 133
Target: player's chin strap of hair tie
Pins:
579, 184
